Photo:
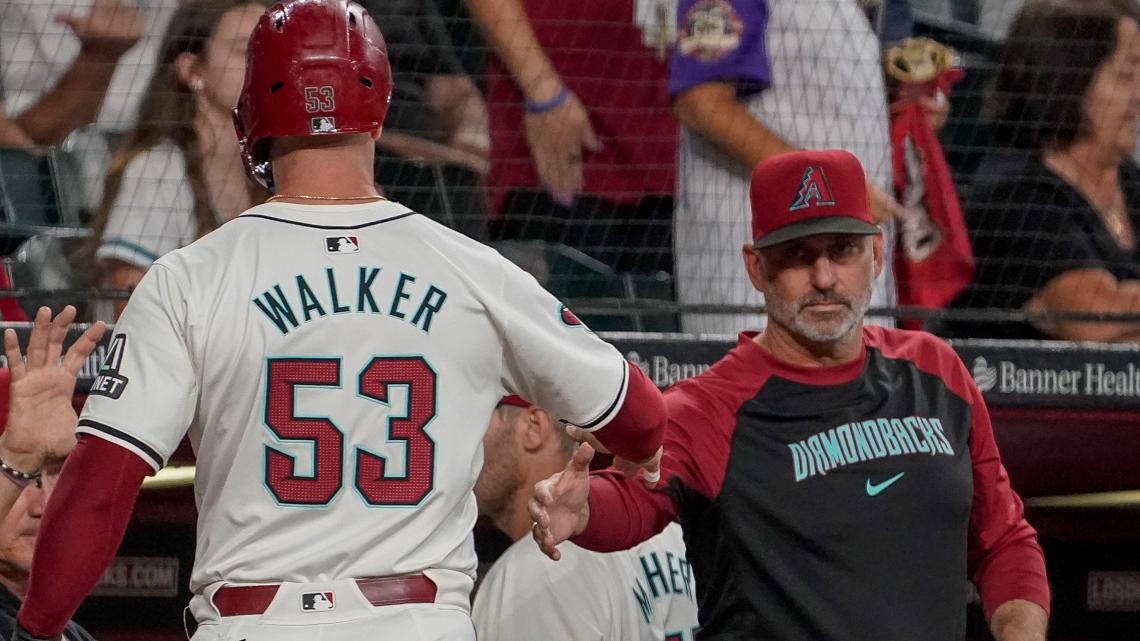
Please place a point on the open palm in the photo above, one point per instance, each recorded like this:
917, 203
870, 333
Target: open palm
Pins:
41, 419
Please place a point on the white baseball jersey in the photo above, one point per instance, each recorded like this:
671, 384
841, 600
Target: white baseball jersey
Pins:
335, 367
646, 593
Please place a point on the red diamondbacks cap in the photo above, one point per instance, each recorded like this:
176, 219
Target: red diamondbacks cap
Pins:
806, 193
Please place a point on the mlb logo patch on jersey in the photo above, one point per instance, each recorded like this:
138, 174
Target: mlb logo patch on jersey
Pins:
342, 244
317, 602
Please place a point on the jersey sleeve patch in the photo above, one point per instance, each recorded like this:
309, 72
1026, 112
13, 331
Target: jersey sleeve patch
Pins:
109, 382
710, 30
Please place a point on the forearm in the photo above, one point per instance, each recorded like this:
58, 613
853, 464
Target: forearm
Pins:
712, 111
1019, 620
507, 27
458, 105
82, 528
73, 102
637, 430
622, 514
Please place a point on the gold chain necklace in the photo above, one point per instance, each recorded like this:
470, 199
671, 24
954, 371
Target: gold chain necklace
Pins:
1113, 216
325, 198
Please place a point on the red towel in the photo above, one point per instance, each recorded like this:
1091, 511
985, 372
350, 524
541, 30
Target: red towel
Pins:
934, 261
9, 309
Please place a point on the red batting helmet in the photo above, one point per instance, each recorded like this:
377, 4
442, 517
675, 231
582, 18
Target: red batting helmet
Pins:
314, 67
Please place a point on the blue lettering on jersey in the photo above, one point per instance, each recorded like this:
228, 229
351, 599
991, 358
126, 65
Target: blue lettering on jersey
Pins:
415, 304
867, 440
673, 577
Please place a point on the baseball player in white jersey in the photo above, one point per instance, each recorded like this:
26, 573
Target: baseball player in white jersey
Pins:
646, 593
325, 352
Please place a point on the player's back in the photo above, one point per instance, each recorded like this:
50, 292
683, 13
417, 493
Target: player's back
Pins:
342, 361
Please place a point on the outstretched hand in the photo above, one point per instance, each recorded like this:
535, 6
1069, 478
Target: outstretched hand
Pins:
560, 506
41, 419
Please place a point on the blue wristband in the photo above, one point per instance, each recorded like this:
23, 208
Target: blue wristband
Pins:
541, 107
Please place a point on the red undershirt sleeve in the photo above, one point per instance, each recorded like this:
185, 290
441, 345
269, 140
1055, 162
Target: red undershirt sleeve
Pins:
1005, 560
623, 513
636, 431
82, 528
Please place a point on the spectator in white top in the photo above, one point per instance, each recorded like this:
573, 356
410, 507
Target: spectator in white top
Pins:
178, 174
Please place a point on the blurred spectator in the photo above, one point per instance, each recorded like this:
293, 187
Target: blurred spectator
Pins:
39, 432
432, 155
752, 78
645, 593
178, 174
582, 142
67, 63
1054, 210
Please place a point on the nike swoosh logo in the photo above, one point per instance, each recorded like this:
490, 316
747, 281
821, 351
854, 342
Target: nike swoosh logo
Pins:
877, 488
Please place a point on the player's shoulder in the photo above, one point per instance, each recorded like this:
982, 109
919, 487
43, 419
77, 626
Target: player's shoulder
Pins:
924, 351
732, 379
525, 567
913, 345
671, 539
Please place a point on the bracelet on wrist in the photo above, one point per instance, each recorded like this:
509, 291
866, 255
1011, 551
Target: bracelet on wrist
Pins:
543, 106
21, 479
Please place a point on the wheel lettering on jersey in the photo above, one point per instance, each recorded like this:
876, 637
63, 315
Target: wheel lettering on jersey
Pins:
283, 376
376, 380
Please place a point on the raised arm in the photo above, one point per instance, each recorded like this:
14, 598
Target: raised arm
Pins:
107, 32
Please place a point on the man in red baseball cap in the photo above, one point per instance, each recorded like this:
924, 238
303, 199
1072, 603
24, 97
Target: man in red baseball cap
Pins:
815, 249
839, 481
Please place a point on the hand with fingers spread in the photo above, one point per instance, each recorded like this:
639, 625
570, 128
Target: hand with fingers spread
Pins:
108, 31
650, 468
41, 419
560, 506
559, 138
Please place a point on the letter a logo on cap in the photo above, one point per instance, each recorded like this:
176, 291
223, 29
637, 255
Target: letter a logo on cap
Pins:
814, 190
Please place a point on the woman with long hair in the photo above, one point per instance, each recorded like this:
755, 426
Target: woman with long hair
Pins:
178, 174
1054, 213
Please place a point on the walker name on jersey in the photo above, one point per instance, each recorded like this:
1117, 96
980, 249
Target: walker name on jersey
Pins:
665, 574
867, 440
370, 290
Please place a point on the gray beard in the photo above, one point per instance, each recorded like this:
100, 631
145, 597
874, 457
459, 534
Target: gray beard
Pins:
796, 324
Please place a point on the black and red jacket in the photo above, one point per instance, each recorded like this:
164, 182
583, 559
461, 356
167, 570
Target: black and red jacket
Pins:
837, 503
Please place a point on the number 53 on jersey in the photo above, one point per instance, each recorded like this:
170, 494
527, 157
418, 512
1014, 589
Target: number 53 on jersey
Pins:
330, 451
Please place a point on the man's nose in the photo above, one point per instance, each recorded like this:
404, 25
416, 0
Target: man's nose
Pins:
823, 273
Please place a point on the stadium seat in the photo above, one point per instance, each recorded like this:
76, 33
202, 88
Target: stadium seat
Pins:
39, 190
